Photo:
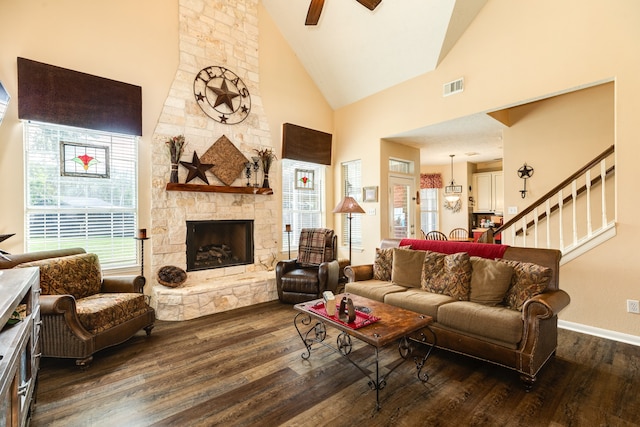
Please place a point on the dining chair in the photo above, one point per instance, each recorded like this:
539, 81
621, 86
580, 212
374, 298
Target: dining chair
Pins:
459, 234
436, 235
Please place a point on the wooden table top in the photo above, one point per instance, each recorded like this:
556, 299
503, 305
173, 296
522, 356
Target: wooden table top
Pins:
394, 323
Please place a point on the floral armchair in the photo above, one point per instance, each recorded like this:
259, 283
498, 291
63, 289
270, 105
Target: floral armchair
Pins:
83, 312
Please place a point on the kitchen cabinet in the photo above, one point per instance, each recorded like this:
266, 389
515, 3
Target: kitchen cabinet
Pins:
488, 192
19, 346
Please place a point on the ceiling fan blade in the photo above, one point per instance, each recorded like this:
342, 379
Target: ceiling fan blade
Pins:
369, 4
313, 15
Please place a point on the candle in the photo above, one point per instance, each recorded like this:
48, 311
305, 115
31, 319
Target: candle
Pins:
142, 233
287, 228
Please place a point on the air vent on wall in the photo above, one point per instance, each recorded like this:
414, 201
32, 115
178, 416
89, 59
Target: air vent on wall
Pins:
455, 86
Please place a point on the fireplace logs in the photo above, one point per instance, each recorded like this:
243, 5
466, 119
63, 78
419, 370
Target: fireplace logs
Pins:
214, 254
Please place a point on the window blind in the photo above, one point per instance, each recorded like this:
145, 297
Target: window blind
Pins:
301, 207
352, 186
96, 213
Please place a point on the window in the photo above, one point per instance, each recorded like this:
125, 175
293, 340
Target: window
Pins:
87, 201
302, 198
352, 186
429, 209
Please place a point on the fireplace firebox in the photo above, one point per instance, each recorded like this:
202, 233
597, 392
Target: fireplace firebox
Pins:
219, 243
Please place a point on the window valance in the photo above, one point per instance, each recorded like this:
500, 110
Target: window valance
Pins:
430, 180
51, 94
306, 145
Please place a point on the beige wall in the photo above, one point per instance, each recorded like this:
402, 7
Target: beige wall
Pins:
133, 42
514, 52
556, 136
123, 41
290, 96
519, 51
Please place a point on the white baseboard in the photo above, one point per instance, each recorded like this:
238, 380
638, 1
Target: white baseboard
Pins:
602, 333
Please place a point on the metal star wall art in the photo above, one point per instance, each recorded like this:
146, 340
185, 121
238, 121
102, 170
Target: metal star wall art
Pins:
196, 169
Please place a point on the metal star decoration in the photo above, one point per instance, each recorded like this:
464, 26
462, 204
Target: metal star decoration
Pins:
224, 95
196, 169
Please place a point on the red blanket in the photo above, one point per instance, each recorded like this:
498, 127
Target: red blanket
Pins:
484, 250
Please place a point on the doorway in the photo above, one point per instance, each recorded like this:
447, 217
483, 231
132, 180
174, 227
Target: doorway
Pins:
402, 191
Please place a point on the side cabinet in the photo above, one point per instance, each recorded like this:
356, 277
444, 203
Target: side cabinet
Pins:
19, 343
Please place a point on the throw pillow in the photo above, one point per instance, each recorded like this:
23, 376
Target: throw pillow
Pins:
312, 246
447, 274
78, 275
527, 281
383, 263
490, 280
407, 267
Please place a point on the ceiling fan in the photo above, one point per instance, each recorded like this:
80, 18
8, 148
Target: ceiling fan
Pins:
315, 9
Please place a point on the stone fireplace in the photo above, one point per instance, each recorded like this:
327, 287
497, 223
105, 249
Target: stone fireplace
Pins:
219, 243
212, 34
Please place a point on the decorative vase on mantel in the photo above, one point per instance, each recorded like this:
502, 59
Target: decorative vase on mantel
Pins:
175, 147
266, 157
173, 178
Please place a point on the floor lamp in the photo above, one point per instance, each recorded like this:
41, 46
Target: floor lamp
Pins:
349, 206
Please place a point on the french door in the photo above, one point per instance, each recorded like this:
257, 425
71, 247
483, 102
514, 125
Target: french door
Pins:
402, 217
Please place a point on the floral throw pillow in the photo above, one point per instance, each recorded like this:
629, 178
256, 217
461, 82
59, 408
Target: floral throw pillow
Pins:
527, 281
447, 274
383, 263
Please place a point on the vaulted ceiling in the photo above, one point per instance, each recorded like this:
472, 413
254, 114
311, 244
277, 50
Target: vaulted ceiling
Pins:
354, 52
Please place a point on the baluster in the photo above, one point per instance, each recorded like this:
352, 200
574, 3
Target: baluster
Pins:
574, 211
603, 176
535, 227
560, 226
524, 231
548, 212
588, 185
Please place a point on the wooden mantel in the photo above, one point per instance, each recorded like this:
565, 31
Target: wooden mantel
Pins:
202, 188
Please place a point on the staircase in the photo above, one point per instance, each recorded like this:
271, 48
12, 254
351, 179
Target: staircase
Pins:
574, 217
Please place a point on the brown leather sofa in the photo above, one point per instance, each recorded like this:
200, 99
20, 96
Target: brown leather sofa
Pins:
536, 342
79, 327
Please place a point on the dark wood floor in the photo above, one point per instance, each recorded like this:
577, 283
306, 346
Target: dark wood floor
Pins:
244, 368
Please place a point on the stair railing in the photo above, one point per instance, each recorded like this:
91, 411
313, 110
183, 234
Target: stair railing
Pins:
564, 222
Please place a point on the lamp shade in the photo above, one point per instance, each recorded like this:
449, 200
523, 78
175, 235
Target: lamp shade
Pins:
348, 205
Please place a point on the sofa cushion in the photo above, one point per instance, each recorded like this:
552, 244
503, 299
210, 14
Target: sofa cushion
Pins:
490, 280
383, 263
498, 323
527, 281
447, 274
407, 267
419, 301
77, 275
373, 289
101, 312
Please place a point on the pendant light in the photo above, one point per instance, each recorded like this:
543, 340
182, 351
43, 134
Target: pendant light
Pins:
452, 192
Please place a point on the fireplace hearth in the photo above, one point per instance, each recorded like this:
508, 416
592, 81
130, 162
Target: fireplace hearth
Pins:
219, 243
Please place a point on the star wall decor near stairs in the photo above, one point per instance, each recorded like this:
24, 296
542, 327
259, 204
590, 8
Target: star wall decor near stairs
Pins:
575, 216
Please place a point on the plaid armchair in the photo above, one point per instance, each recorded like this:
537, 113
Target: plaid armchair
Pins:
314, 271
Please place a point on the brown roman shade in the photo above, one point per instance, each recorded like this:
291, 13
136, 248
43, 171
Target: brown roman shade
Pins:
51, 94
306, 145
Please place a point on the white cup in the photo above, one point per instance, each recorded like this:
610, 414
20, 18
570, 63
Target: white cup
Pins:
330, 306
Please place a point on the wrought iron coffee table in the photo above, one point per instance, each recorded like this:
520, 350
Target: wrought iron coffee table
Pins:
394, 324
